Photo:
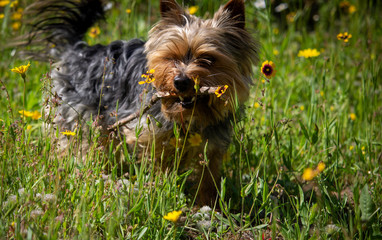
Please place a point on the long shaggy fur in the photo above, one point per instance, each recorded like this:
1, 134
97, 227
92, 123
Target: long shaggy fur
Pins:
101, 82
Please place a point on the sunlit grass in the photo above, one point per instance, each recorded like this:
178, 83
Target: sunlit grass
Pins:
304, 162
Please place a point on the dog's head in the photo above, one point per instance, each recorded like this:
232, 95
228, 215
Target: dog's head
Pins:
186, 51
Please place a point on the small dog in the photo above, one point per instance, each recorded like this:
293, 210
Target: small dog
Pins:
182, 55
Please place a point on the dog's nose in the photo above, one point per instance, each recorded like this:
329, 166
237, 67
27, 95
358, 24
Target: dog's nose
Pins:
182, 83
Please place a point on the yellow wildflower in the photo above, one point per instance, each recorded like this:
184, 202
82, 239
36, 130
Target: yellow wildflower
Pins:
321, 166
308, 53
149, 75
256, 105
94, 32
347, 7
128, 11
16, 16
68, 133
268, 69
195, 140
16, 26
193, 9
173, 216
36, 115
29, 127
21, 70
14, 3
352, 116
221, 90
302, 107
351, 147
344, 36
1, 15
4, 3
309, 174
322, 93
275, 52
291, 17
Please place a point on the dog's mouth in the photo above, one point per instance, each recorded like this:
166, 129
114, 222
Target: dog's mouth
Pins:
187, 101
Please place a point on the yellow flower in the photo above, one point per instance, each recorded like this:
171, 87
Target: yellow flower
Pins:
308, 53
21, 70
193, 9
68, 133
268, 69
322, 93
14, 3
94, 32
276, 31
16, 26
256, 105
16, 16
149, 75
321, 166
1, 15
4, 3
344, 36
351, 147
331, 108
128, 11
309, 174
302, 107
26, 113
290, 17
221, 90
195, 140
36, 115
352, 116
275, 52
347, 7
173, 216
29, 127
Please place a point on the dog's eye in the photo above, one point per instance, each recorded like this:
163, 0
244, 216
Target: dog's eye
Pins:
205, 61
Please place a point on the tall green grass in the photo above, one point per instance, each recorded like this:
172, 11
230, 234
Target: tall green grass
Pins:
325, 109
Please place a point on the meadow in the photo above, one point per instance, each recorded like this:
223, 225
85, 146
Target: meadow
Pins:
306, 156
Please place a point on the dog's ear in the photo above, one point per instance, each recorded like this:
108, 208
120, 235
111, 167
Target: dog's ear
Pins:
236, 10
171, 9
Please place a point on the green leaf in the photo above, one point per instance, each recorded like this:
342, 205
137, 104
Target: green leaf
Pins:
315, 134
366, 204
303, 128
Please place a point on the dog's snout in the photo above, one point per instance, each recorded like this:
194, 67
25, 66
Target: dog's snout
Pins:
182, 83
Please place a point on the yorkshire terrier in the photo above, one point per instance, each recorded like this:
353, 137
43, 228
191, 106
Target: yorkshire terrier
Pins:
183, 55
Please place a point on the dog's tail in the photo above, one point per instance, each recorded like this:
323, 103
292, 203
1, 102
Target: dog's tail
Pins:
57, 24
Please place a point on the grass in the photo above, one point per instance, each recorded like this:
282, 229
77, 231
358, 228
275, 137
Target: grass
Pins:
325, 109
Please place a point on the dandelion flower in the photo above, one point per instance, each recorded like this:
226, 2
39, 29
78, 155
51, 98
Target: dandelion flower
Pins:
268, 69
1, 15
221, 90
94, 32
21, 70
351, 147
128, 11
308, 53
302, 107
26, 113
68, 133
4, 3
256, 105
321, 166
173, 216
16, 26
193, 9
309, 174
352, 116
195, 140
